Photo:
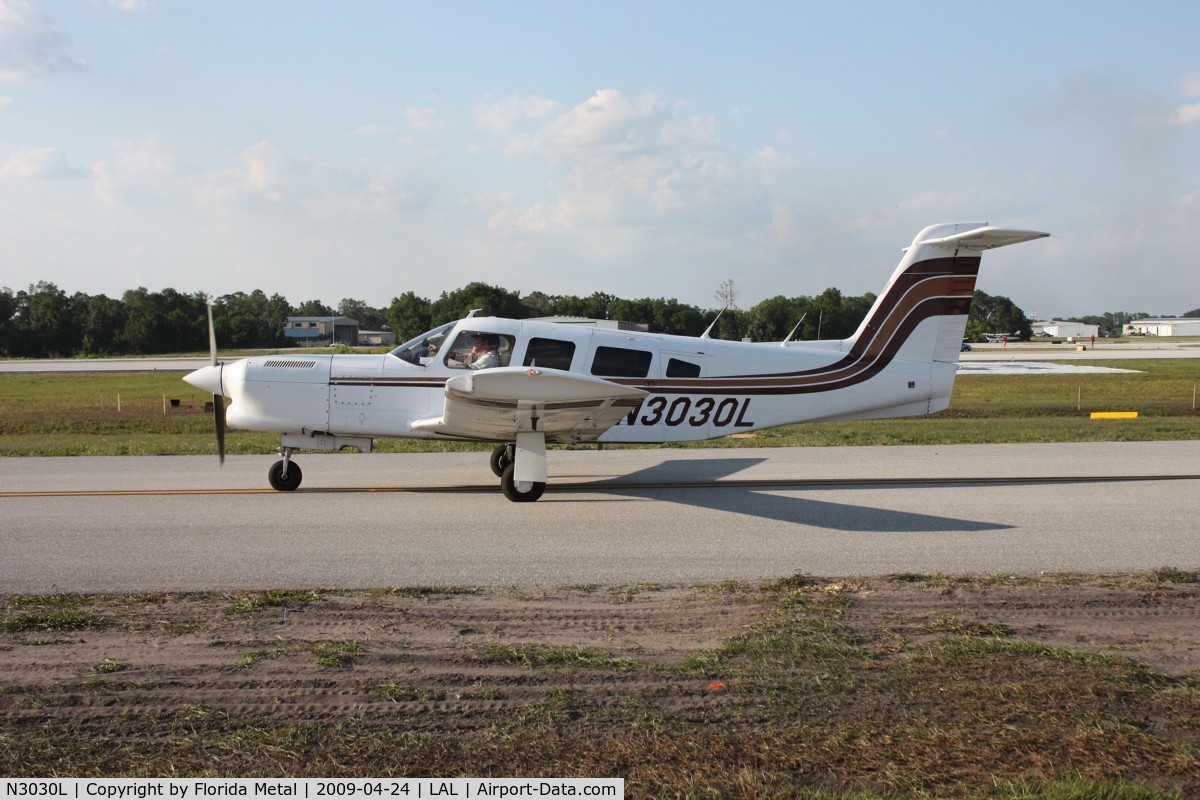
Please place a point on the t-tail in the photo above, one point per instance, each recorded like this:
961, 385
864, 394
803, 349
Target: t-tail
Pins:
921, 315
915, 329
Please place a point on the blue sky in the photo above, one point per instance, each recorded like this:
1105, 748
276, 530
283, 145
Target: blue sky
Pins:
364, 149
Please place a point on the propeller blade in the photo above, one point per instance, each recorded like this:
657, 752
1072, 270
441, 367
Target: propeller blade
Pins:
219, 419
218, 400
212, 336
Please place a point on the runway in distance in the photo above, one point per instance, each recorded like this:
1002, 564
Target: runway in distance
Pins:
524, 383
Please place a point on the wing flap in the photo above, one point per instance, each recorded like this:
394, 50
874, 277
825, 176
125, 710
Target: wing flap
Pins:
497, 404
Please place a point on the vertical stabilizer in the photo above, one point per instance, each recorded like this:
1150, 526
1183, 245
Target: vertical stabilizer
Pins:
921, 314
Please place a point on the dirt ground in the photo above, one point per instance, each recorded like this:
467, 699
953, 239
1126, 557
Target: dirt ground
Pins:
453, 661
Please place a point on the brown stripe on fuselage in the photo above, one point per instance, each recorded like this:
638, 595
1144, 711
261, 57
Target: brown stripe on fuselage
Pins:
930, 288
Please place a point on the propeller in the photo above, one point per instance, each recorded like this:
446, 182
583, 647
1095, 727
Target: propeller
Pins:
218, 399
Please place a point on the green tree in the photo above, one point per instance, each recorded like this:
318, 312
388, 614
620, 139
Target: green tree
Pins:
43, 323
996, 314
163, 322
493, 301
773, 319
314, 308
8, 320
369, 318
594, 306
539, 304
409, 316
250, 320
101, 320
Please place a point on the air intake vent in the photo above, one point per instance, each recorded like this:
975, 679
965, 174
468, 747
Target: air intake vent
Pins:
289, 363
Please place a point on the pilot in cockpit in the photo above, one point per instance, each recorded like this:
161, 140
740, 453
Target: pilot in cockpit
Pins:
482, 356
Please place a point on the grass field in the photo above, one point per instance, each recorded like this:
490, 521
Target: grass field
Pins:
816, 691
132, 414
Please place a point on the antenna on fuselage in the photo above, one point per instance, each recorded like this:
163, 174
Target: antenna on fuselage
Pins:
708, 330
793, 333
473, 312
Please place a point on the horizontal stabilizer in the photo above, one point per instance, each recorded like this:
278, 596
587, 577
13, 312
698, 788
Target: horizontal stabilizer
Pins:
986, 238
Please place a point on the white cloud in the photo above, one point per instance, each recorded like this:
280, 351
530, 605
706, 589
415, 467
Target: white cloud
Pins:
141, 170
374, 130
631, 161
504, 115
41, 163
31, 48
5, 102
535, 219
1189, 85
424, 119
312, 189
1186, 115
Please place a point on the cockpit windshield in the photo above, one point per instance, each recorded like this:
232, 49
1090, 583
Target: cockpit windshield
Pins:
425, 347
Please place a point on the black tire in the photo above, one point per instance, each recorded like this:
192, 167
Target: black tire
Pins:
500, 460
278, 482
509, 486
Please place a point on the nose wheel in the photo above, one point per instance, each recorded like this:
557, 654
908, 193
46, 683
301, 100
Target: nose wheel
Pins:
284, 476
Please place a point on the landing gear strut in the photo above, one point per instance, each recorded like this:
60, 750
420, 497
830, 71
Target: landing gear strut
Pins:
284, 476
523, 476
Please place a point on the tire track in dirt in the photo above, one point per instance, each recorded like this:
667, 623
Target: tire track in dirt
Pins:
428, 661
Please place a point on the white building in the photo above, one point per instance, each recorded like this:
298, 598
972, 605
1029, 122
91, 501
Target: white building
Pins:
1171, 326
1077, 330
310, 330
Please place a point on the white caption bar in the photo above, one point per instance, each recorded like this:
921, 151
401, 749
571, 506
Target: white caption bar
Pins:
309, 788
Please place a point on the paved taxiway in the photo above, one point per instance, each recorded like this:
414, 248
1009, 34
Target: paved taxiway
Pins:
611, 517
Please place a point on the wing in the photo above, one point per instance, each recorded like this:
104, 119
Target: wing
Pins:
497, 404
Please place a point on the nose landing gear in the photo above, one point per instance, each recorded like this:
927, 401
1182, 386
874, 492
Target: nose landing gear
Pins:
284, 476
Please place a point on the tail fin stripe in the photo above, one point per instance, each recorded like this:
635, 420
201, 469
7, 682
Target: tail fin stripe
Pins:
930, 288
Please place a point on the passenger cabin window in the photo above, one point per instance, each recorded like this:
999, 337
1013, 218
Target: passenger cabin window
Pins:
617, 362
479, 350
682, 369
549, 353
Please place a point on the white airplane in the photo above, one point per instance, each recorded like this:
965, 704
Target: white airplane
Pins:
530, 382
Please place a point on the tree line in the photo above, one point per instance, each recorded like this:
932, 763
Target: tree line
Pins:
44, 321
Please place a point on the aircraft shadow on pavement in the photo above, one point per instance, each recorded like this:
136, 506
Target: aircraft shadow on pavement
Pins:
690, 482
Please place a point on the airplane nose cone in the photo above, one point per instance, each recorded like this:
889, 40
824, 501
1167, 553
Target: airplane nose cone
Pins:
207, 378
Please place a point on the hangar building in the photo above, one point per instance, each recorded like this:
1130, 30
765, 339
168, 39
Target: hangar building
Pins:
1170, 326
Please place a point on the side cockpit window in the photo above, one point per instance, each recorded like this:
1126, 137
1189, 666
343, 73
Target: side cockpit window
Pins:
479, 350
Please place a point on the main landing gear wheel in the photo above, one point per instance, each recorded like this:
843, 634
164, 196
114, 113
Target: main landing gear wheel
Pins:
520, 491
501, 457
284, 482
